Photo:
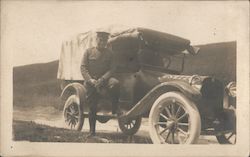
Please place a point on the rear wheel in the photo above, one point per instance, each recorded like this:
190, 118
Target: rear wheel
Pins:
72, 113
130, 126
174, 119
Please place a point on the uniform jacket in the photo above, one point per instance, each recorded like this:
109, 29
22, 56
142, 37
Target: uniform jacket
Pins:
97, 64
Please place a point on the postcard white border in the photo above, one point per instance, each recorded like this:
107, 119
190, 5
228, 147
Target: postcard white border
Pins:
12, 148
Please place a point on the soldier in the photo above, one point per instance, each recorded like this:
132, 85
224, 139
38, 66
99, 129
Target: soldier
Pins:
97, 68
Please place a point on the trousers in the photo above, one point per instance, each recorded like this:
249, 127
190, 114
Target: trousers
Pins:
110, 88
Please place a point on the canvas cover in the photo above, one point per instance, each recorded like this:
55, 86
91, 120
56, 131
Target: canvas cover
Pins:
124, 42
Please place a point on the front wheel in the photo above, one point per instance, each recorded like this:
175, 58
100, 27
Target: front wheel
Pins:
227, 138
72, 113
174, 119
228, 129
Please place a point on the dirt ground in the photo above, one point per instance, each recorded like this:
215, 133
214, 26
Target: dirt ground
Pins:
33, 132
54, 129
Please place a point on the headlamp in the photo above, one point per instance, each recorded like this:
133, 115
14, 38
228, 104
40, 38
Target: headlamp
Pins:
231, 89
195, 81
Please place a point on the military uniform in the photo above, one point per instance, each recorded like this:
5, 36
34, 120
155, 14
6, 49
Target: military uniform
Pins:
98, 64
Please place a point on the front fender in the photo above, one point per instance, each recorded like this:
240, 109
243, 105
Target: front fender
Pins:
185, 88
74, 88
145, 104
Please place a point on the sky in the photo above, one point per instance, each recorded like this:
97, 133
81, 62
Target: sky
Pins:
33, 31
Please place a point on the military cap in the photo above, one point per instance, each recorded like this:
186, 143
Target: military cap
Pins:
102, 34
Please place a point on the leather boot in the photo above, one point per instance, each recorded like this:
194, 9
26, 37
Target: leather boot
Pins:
92, 123
92, 128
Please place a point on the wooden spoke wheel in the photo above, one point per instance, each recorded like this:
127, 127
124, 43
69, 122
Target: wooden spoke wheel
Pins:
130, 126
227, 138
229, 124
73, 114
174, 119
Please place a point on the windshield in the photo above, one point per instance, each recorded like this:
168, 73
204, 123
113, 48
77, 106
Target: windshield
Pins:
162, 61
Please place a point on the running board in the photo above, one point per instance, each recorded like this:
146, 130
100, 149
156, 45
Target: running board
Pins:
106, 115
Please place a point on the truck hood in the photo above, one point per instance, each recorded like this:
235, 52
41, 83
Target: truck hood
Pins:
192, 80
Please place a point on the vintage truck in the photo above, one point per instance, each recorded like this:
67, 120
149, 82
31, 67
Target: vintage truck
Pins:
150, 63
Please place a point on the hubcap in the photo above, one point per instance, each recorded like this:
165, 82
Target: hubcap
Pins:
173, 123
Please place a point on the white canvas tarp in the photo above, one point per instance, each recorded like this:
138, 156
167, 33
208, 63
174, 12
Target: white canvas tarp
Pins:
73, 49
128, 40
71, 54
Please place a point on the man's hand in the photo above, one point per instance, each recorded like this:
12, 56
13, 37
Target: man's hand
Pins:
93, 82
99, 83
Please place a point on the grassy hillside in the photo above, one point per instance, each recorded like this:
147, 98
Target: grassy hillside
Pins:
35, 73
36, 84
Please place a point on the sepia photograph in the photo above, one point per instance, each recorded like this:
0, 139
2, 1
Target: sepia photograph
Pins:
142, 76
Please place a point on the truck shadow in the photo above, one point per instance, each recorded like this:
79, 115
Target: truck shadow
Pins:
33, 132
118, 138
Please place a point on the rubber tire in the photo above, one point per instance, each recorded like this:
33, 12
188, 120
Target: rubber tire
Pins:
132, 130
232, 120
195, 126
74, 99
223, 140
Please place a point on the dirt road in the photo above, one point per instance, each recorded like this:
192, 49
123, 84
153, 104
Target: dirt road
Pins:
53, 118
